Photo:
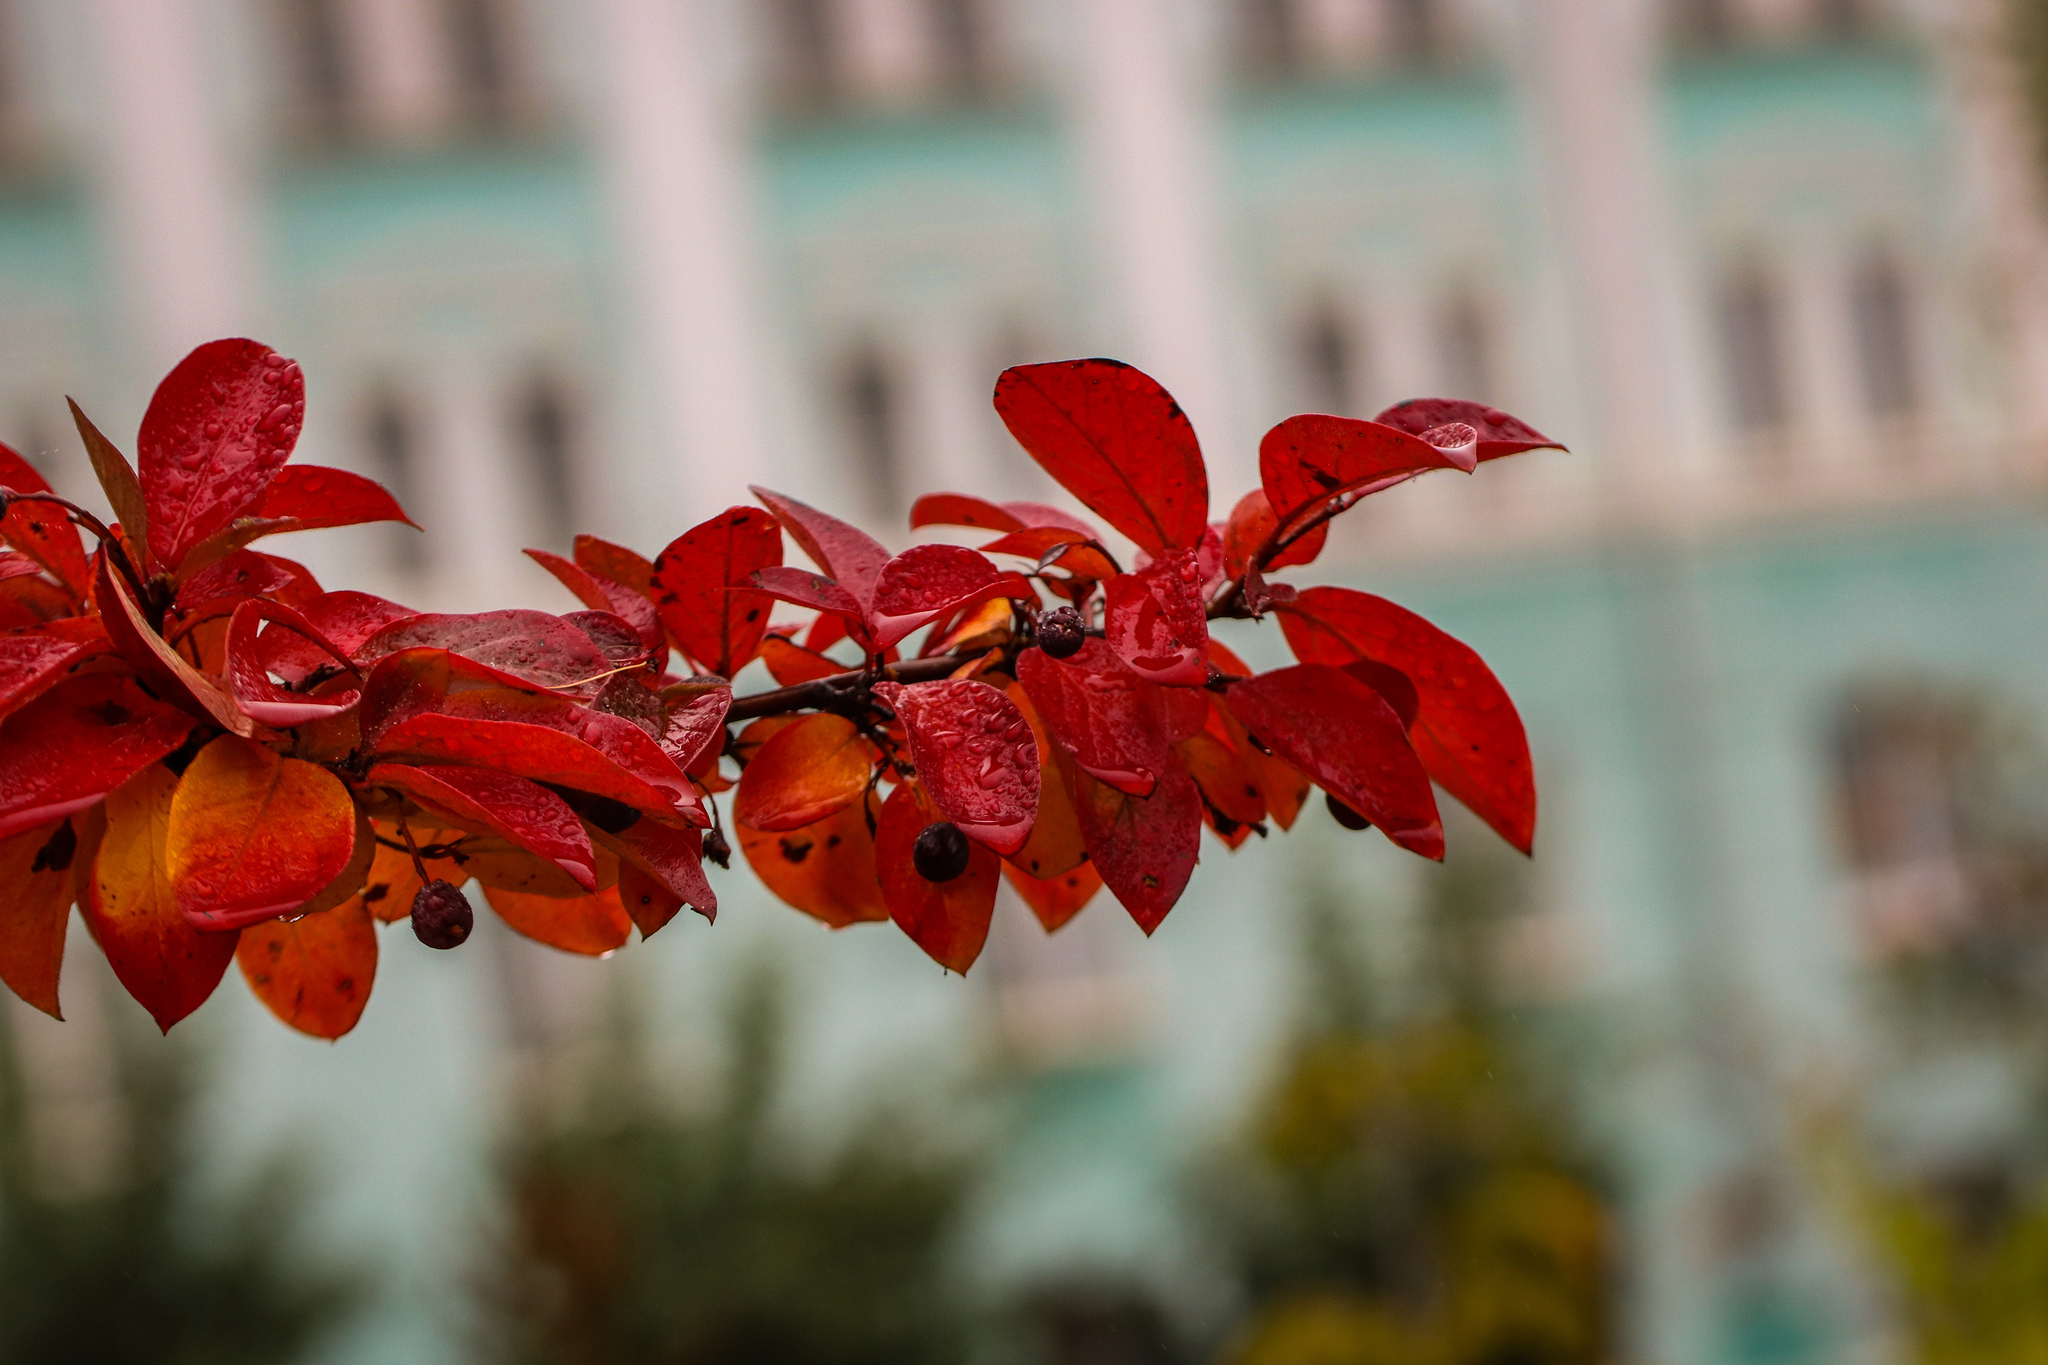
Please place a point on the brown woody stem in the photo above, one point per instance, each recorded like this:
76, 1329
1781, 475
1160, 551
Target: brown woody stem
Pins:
81, 517
825, 694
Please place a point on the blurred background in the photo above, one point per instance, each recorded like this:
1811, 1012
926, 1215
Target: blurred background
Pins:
1750, 1064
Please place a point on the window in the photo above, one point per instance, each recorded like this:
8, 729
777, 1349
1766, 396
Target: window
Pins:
1842, 19
807, 47
1705, 23
1465, 350
1271, 36
1884, 337
1413, 31
480, 67
393, 454
325, 85
1327, 357
1752, 351
546, 442
960, 44
871, 403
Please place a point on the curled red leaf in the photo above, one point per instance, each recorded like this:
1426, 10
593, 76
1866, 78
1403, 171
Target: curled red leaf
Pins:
249, 682
847, 554
1498, 433
975, 757
520, 810
1112, 721
1156, 621
927, 581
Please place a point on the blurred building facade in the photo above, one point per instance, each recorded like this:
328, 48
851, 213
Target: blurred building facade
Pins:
1774, 268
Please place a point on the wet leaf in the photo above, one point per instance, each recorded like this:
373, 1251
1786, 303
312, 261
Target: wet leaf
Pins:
790, 664
514, 808
622, 566
825, 869
847, 554
313, 972
1307, 461
1056, 899
647, 900
1058, 548
220, 426
1466, 730
950, 919
1112, 721
804, 773
249, 682
118, 482
41, 530
805, 589
927, 581
1055, 845
169, 966
37, 868
254, 835
1144, 848
345, 619
975, 757
672, 857
79, 741
593, 925
160, 666
245, 573
602, 594
697, 728
37, 658
1251, 524
1343, 734
1117, 441
703, 588
1499, 434
528, 645
1157, 623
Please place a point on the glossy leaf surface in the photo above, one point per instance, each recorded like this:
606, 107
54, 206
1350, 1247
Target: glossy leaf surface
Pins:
1251, 526
38, 873
1306, 461
529, 645
1341, 733
117, 480
846, 553
1056, 899
592, 925
313, 972
1144, 848
673, 857
1106, 716
1117, 441
825, 869
704, 588
602, 594
35, 658
79, 741
166, 963
220, 426
927, 581
41, 530
804, 773
1156, 621
1466, 732
949, 919
345, 619
250, 684
159, 665
254, 835
515, 808
976, 760
1499, 433
1055, 845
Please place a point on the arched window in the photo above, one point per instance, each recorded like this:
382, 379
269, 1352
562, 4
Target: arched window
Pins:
392, 449
1752, 349
1705, 23
546, 443
1843, 20
871, 406
961, 48
1326, 355
1270, 34
806, 43
1414, 31
1884, 337
480, 61
324, 81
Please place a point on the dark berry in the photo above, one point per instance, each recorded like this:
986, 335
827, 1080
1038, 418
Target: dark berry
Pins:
1061, 633
1344, 815
717, 849
441, 916
941, 852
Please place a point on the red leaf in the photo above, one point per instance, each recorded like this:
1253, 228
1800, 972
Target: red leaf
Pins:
244, 573
1081, 558
529, 645
697, 728
975, 757
1117, 441
1144, 848
950, 919
160, 666
647, 900
345, 619
674, 858
169, 966
1499, 434
260, 698
253, 835
1058, 898
217, 431
805, 772
826, 869
592, 925
1251, 524
927, 581
548, 740
313, 972
602, 594
37, 868
35, 659
616, 562
1112, 721
703, 588
806, 589
76, 743
311, 498
1306, 461
524, 812
1157, 622
962, 509
1466, 731
791, 664
41, 530
118, 482
847, 554
623, 646
1339, 731
1055, 845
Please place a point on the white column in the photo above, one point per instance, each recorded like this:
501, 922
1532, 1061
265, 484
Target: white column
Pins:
1146, 130
470, 486
676, 157
405, 67
174, 193
1834, 441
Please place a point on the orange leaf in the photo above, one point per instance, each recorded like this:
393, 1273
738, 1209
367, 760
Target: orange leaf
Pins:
1059, 898
646, 898
949, 919
790, 664
314, 972
826, 869
254, 835
36, 869
524, 812
803, 774
169, 966
593, 925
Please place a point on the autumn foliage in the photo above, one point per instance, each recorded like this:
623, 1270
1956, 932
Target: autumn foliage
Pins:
214, 757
